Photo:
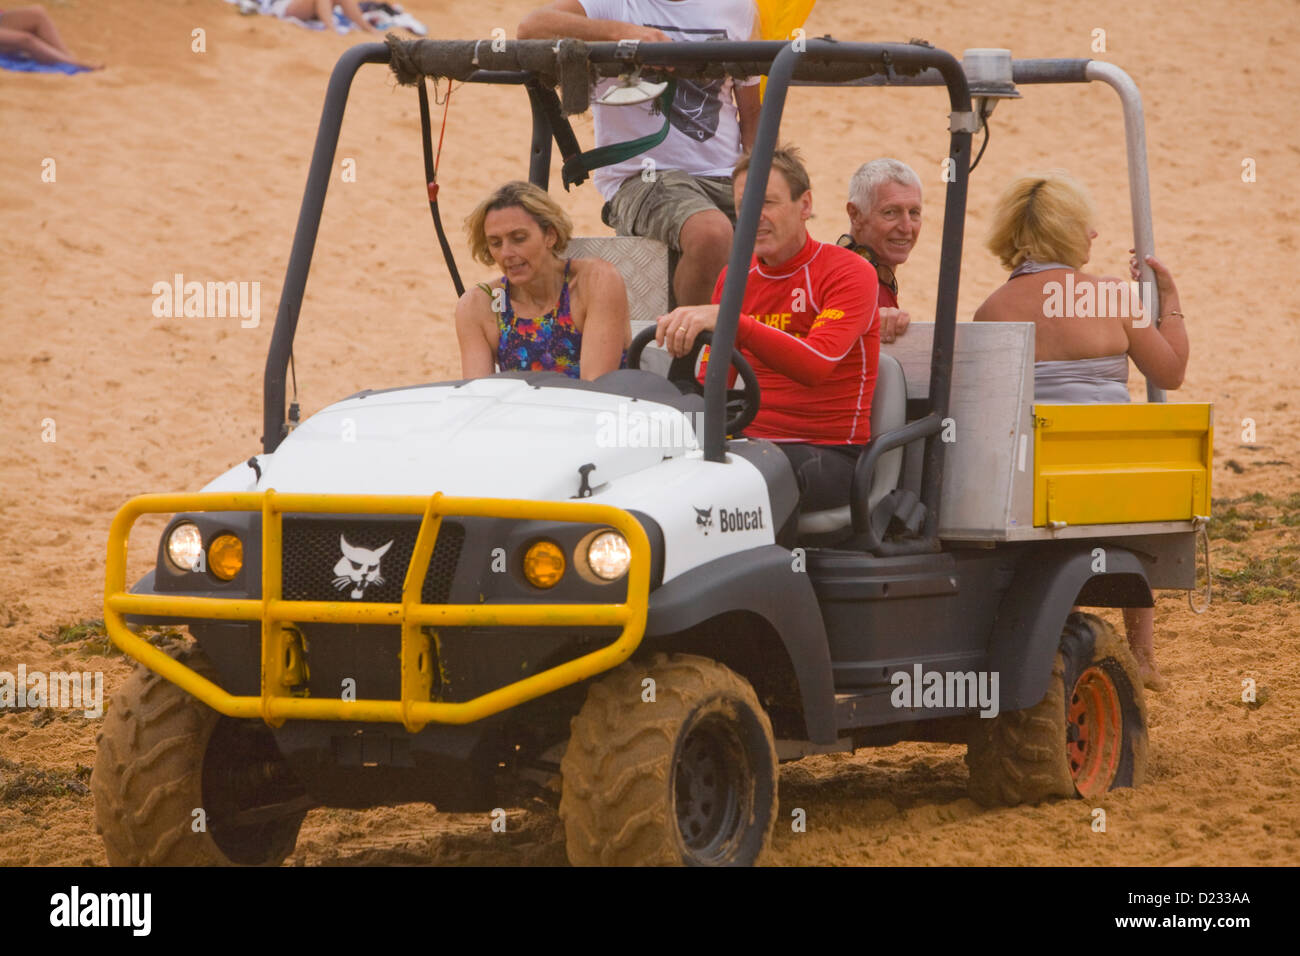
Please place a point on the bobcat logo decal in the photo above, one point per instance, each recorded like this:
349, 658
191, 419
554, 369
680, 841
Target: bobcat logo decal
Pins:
359, 567
703, 518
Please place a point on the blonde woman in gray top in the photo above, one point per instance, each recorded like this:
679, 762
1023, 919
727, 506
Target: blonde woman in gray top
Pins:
1087, 327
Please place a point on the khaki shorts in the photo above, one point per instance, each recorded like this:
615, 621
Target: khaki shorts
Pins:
658, 209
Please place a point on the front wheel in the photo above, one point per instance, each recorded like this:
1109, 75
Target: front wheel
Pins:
1088, 735
177, 784
681, 771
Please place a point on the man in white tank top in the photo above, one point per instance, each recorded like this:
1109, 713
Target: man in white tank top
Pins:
680, 191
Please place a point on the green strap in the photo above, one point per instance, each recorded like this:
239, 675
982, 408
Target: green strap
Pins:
618, 152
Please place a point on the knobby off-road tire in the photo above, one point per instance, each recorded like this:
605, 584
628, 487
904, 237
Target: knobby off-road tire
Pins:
1086, 736
162, 755
687, 779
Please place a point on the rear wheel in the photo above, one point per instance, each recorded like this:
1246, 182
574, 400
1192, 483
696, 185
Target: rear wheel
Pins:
1088, 735
177, 784
686, 779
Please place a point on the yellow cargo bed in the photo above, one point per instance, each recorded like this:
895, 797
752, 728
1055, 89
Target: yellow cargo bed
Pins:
1112, 464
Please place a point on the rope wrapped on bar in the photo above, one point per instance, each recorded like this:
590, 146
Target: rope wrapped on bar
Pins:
573, 65
564, 63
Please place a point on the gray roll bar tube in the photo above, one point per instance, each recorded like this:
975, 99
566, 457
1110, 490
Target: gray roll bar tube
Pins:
1139, 184
742, 249
1046, 71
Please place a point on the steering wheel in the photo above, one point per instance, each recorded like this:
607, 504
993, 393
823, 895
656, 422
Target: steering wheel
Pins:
742, 404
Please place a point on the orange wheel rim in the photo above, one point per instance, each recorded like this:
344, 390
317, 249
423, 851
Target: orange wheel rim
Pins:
1094, 732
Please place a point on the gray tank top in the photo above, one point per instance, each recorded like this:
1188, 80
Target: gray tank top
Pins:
1029, 267
1077, 381
1082, 381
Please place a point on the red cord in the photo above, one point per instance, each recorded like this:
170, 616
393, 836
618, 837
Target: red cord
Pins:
437, 157
446, 105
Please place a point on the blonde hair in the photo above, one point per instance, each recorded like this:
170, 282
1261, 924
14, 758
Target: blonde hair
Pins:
534, 200
1043, 217
789, 163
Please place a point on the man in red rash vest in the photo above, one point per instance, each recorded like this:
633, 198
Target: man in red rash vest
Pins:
808, 326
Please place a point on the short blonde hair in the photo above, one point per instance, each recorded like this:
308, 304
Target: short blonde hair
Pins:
534, 200
789, 163
1044, 217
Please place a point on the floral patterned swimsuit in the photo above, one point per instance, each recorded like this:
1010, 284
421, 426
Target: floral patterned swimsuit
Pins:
550, 343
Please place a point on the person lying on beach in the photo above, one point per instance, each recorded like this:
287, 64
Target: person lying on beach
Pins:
323, 10
30, 32
580, 324
1043, 232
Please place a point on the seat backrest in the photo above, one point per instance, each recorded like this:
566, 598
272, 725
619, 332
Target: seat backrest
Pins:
888, 411
988, 463
643, 264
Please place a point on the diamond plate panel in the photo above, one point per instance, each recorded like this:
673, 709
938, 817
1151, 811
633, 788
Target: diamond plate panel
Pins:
643, 263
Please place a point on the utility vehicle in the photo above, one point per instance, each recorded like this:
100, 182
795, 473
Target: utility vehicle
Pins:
475, 586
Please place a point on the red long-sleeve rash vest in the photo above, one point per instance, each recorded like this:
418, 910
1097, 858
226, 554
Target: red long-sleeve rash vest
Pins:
809, 328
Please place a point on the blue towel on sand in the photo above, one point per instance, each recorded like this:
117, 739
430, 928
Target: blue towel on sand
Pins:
23, 64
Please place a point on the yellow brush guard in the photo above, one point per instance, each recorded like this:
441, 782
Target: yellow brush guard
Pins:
281, 651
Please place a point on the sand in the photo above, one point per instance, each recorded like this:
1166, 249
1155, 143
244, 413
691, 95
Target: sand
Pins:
172, 161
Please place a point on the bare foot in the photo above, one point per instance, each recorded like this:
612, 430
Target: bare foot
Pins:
1152, 679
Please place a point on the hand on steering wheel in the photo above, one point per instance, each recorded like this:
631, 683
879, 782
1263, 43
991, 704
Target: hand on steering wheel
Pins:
742, 404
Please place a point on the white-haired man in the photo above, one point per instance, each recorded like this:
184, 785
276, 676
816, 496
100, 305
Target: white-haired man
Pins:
884, 222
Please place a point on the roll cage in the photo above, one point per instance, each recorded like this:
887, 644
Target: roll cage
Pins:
540, 66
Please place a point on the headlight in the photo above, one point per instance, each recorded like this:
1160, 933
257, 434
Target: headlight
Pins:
608, 555
185, 546
543, 564
225, 556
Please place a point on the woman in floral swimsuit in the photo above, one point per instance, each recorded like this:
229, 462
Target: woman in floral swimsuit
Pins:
545, 313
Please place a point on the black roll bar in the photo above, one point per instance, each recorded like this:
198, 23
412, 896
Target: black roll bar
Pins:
541, 64
524, 63
742, 249
304, 237
535, 63
274, 427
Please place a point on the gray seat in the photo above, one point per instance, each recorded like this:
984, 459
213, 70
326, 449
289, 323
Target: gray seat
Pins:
888, 411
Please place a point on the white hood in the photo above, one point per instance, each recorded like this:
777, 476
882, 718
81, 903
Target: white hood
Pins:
499, 438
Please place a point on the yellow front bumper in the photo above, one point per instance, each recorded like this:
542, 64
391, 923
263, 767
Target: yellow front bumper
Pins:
281, 651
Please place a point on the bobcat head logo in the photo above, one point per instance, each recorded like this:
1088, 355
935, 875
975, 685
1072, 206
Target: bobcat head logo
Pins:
703, 518
358, 567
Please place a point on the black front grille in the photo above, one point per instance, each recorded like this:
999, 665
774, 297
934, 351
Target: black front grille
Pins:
312, 552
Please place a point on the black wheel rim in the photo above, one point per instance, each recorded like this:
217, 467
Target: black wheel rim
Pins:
249, 793
711, 787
